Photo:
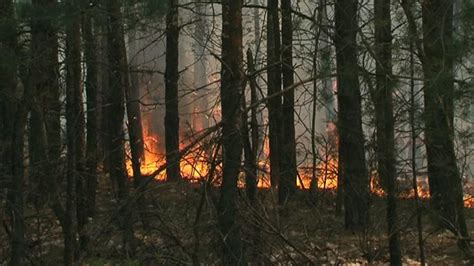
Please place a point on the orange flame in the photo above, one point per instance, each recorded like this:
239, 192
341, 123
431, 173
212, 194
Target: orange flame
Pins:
195, 166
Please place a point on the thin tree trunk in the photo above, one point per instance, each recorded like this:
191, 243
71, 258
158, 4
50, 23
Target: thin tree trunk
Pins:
92, 85
419, 222
171, 95
274, 86
288, 169
75, 133
314, 182
251, 142
231, 93
114, 113
384, 121
351, 147
438, 68
135, 131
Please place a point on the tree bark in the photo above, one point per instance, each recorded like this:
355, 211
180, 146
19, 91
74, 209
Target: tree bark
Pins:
274, 86
231, 93
114, 113
438, 68
171, 93
351, 145
384, 121
288, 171
75, 133
91, 85
251, 140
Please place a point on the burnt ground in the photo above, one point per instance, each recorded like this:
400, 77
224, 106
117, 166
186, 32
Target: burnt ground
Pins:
176, 232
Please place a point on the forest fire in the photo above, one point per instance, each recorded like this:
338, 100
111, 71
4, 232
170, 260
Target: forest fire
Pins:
196, 164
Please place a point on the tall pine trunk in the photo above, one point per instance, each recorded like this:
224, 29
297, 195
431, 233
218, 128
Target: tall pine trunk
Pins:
231, 93
75, 132
438, 68
135, 128
91, 86
171, 93
274, 86
351, 138
114, 115
251, 140
288, 171
384, 121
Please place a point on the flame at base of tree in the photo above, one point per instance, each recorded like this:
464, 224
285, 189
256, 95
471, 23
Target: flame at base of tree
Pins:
195, 167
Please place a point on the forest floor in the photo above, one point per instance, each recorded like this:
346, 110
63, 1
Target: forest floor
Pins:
181, 228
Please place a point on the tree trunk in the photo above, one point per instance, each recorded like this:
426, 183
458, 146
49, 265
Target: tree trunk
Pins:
251, 142
231, 93
351, 145
274, 86
114, 115
413, 135
438, 68
12, 121
75, 133
135, 131
288, 171
384, 121
91, 84
171, 97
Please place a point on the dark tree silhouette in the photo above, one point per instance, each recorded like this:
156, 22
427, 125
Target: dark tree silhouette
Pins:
114, 115
384, 121
74, 215
92, 125
438, 68
274, 86
351, 138
288, 169
171, 83
231, 95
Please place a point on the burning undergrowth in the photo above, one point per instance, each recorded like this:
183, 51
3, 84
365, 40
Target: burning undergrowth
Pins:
195, 167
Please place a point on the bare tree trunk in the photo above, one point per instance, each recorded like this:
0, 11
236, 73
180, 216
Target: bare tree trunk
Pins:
92, 85
114, 113
414, 134
251, 142
351, 147
75, 133
274, 86
288, 169
171, 97
12, 121
135, 130
385, 122
438, 67
231, 93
